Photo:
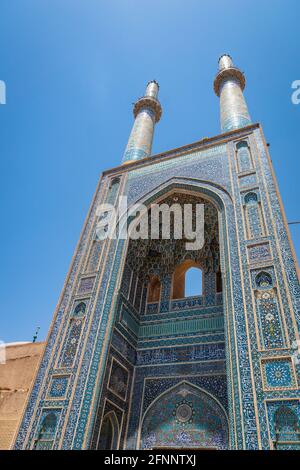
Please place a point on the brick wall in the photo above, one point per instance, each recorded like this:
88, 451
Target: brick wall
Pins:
16, 376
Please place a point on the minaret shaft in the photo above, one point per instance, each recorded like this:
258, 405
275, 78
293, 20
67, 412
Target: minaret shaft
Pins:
229, 85
141, 137
147, 111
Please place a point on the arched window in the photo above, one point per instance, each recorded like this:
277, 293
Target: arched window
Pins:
187, 280
154, 289
193, 282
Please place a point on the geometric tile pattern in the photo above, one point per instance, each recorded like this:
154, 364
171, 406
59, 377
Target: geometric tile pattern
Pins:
47, 428
243, 156
185, 417
71, 343
269, 320
253, 215
278, 374
94, 257
58, 386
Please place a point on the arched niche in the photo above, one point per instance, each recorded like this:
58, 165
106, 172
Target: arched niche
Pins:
185, 416
109, 433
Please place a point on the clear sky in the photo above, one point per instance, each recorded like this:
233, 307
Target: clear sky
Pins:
73, 68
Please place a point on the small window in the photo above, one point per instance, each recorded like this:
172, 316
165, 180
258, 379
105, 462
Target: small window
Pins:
241, 145
187, 280
193, 282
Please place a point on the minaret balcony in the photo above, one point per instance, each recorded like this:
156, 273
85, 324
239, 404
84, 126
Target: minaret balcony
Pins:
148, 102
227, 74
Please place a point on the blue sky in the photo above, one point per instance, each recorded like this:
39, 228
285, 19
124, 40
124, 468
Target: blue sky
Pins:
73, 68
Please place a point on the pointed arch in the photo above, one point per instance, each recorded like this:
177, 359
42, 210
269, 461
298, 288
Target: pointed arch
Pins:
109, 432
184, 416
213, 192
79, 309
222, 200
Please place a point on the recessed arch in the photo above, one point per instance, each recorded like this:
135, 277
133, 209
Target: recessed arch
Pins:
243, 153
185, 415
221, 201
263, 280
79, 309
213, 192
109, 432
251, 198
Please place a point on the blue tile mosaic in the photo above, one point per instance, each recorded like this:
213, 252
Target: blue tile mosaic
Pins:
58, 386
278, 374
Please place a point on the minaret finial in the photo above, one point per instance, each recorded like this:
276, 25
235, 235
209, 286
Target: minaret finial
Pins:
229, 85
147, 112
36, 334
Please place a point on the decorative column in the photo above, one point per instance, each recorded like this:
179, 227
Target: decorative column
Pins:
147, 112
229, 85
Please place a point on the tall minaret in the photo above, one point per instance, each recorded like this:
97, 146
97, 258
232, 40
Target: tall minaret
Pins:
147, 112
229, 85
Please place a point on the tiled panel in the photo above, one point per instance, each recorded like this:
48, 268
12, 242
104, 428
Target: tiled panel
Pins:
86, 285
278, 374
259, 253
58, 386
